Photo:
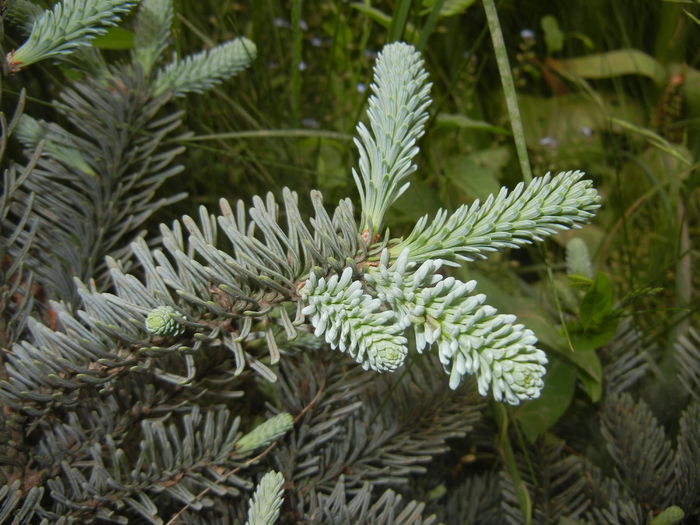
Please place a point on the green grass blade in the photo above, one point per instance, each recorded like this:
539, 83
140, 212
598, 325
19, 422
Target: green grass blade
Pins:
398, 20
295, 84
499, 48
429, 26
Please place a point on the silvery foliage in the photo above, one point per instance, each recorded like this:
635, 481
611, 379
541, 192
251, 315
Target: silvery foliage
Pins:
266, 502
96, 179
472, 338
69, 25
403, 288
198, 73
397, 114
225, 281
352, 321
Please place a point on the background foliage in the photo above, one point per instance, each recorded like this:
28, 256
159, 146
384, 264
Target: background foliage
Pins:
612, 88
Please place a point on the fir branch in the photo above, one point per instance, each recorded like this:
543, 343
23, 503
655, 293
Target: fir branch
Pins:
110, 336
31, 132
475, 501
611, 503
686, 466
84, 216
267, 500
381, 432
639, 449
397, 116
627, 358
197, 73
151, 32
352, 322
342, 508
687, 356
69, 25
23, 13
18, 228
173, 463
555, 481
508, 220
19, 506
472, 338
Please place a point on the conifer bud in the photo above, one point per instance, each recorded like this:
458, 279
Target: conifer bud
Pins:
265, 433
165, 321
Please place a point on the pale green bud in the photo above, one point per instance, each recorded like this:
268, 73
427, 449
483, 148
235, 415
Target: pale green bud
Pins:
164, 320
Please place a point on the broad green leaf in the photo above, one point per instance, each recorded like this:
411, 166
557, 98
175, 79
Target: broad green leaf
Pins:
330, 165
494, 159
475, 179
593, 340
536, 417
592, 386
553, 36
457, 120
418, 200
115, 38
588, 363
613, 64
597, 304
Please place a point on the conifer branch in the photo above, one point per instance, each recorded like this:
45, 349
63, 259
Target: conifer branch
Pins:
472, 338
267, 500
69, 25
638, 447
151, 32
507, 220
397, 115
31, 132
197, 73
686, 465
23, 13
352, 322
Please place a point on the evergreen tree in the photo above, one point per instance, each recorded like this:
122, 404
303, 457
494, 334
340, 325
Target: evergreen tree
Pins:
126, 356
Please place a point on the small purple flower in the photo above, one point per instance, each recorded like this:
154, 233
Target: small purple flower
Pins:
548, 142
310, 123
281, 22
302, 66
303, 25
361, 87
586, 131
527, 34
316, 41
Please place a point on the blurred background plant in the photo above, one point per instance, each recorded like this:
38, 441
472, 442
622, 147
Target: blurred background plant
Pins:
609, 87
